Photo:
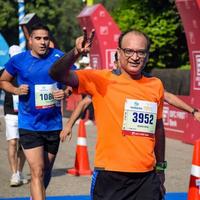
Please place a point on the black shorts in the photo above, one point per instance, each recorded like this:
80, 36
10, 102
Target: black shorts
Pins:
108, 185
50, 140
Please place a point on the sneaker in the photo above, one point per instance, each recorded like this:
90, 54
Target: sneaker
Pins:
22, 179
89, 122
15, 180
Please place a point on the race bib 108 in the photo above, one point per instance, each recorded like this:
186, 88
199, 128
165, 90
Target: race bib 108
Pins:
44, 96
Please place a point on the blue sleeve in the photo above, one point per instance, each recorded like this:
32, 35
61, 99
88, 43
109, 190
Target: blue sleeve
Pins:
60, 85
60, 53
10, 67
74, 67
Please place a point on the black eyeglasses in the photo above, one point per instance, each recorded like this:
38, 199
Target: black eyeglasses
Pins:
130, 52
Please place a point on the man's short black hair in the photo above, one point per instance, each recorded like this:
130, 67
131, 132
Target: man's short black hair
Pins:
39, 26
137, 32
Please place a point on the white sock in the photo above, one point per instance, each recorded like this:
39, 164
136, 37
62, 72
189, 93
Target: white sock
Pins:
18, 173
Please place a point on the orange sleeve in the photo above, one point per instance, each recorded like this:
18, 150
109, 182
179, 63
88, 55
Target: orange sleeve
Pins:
82, 81
87, 81
92, 81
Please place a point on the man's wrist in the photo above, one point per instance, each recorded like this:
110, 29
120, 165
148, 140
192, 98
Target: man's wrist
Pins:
16, 91
76, 52
161, 166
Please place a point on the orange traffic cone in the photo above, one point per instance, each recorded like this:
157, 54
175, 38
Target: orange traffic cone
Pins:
194, 187
82, 166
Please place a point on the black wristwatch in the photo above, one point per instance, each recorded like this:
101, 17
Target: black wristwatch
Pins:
161, 166
194, 110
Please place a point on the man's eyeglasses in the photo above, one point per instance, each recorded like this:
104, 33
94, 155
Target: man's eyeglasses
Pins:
130, 52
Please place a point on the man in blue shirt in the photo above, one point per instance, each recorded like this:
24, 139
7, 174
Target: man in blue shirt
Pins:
39, 111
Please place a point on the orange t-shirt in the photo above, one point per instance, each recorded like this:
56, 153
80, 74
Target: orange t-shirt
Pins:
116, 151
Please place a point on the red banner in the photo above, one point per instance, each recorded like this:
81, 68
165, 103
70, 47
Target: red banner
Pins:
106, 35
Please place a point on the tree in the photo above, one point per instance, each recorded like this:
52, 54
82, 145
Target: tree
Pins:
9, 21
59, 15
160, 20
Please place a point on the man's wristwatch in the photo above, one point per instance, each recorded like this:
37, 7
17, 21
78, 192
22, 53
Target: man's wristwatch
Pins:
194, 110
161, 166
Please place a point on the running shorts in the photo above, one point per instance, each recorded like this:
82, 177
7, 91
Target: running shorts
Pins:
109, 185
50, 140
11, 122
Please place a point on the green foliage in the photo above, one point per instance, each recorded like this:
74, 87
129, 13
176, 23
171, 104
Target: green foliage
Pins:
6, 10
60, 16
158, 18
185, 67
161, 22
8, 20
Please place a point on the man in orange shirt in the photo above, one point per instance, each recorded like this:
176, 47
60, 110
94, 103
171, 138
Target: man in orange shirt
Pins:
86, 101
128, 112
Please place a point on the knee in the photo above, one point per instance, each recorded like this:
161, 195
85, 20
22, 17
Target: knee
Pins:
13, 143
37, 172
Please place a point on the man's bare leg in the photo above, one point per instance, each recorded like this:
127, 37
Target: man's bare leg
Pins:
35, 159
12, 158
21, 160
20, 165
49, 161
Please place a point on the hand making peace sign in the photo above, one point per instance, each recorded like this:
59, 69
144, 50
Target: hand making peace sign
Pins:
83, 43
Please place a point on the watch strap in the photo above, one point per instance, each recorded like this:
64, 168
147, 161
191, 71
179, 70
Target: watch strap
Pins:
161, 166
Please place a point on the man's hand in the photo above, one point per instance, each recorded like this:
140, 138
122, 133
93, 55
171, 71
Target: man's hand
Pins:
58, 94
83, 43
67, 131
21, 90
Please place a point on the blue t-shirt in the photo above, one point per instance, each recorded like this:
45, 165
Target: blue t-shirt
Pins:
38, 111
